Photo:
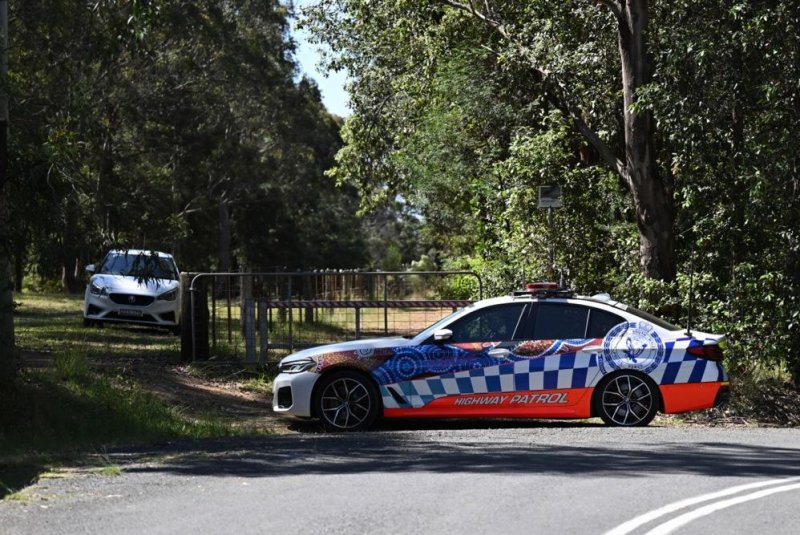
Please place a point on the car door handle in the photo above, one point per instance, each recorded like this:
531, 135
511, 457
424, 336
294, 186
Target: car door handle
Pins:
592, 349
499, 353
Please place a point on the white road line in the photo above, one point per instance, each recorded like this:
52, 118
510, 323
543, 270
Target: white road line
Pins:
675, 523
632, 524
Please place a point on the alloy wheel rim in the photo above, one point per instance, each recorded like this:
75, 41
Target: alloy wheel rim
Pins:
627, 400
346, 403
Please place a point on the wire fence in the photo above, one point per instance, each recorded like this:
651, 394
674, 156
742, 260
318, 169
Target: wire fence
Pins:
260, 317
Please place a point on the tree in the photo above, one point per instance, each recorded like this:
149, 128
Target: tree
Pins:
413, 37
465, 123
174, 125
7, 346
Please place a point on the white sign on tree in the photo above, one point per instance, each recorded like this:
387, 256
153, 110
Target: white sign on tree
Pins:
550, 197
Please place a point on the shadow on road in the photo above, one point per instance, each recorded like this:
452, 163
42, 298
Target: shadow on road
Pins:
637, 453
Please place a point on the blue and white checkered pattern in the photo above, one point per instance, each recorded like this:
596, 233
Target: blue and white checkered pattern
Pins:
568, 370
681, 367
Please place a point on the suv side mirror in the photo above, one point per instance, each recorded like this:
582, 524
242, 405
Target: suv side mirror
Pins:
89, 268
442, 335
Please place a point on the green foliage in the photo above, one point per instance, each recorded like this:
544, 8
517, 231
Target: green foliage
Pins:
178, 126
450, 115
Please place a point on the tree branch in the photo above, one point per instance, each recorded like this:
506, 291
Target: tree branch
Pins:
553, 90
600, 146
613, 6
469, 8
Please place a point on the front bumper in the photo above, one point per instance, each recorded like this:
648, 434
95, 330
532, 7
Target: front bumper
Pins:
161, 313
292, 393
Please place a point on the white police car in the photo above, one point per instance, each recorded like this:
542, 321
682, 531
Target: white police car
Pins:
538, 353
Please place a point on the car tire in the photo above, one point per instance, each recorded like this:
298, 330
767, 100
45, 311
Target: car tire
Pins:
87, 322
176, 330
627, 399
347, 401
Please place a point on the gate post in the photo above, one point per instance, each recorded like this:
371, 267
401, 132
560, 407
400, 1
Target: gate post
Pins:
386, 305
263, 325
186, 324
194, 318
249, 329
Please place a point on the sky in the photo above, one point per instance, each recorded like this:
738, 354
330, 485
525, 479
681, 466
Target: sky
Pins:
331, 84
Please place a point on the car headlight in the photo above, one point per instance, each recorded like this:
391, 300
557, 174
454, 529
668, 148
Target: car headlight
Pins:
171, 295
297, 366
96, 289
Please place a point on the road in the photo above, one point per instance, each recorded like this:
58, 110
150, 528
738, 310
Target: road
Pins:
436, 477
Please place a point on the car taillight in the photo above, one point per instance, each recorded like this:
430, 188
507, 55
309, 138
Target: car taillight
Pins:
710, 352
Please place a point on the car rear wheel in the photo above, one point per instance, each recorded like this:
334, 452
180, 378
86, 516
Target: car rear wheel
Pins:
347, 401
627, 399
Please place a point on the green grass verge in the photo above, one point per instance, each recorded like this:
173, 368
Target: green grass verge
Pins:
46, 413
85, 400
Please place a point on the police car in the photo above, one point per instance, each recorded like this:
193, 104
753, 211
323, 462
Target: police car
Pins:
539, 353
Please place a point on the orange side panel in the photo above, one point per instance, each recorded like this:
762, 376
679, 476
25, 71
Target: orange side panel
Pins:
689, 397
560, 403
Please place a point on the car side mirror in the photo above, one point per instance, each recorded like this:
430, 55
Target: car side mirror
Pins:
89, 268
442, 335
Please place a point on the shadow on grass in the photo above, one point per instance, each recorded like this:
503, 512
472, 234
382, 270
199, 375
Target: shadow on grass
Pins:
16, 476
43, 419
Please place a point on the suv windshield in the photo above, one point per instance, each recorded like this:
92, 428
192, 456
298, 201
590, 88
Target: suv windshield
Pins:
139, 265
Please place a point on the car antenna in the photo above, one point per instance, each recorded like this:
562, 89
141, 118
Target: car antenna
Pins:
691, 290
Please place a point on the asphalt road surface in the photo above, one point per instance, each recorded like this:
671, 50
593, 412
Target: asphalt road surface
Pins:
422, 477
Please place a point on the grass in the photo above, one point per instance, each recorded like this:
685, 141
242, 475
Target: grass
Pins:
52, 322
85, 399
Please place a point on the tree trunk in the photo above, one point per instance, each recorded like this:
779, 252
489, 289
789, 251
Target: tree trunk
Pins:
19, 269
8, 351
652, 200
104, 208
69, 247
224, 240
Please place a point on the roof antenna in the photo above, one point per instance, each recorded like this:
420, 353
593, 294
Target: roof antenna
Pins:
691, 290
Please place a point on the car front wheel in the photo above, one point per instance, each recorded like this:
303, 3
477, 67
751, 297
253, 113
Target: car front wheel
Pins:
347, 401
627, 399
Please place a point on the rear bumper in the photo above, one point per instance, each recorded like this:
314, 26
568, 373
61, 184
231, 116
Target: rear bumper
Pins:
694, 396
723, 395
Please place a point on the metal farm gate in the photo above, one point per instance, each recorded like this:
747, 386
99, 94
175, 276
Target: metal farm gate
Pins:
260, 317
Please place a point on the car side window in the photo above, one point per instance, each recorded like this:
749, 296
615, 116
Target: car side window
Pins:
560, 321
490, 324
601, 322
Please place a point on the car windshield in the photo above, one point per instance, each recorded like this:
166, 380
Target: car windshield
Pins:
139, 265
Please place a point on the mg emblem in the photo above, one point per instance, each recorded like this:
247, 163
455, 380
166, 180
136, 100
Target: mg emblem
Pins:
131, 299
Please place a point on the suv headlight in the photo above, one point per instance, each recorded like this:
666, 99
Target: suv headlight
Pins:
171, 295
96, 289
297, 366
